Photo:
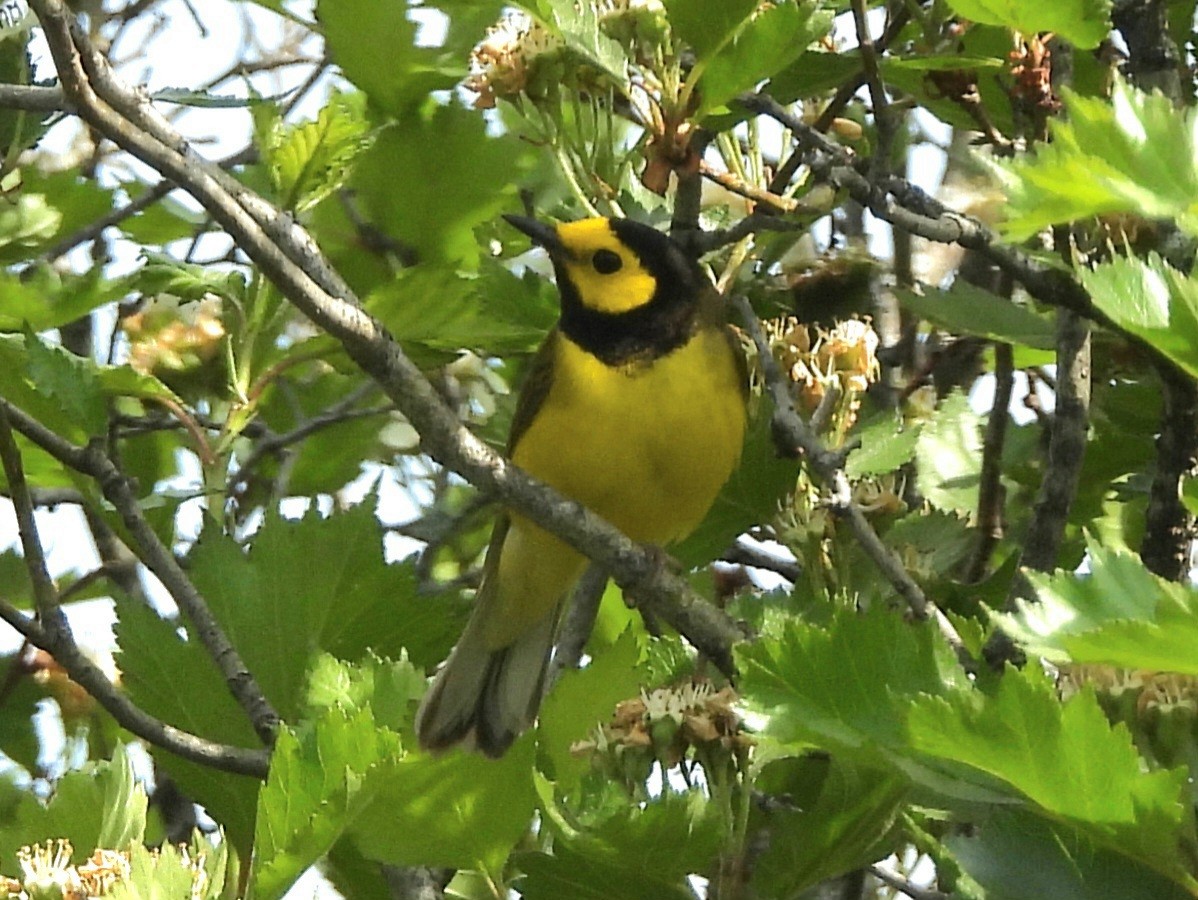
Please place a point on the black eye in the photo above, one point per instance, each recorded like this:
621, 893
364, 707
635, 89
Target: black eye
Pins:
606, 262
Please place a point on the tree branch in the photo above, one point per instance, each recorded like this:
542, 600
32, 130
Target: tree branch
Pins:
53, 634
990, 489
828, 466
286, 255
158, 558
32, 99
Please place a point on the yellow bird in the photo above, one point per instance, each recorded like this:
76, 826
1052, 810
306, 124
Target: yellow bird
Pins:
635, 407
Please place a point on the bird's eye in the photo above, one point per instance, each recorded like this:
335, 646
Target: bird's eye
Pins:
606, 262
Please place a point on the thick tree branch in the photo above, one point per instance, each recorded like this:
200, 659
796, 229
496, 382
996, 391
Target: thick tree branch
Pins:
51, 633
158, 558
1168, 524
287, 256
828, 467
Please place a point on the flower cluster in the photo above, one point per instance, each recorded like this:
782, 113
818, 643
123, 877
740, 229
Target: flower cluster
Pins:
664, 725
169, 336
843, 359
47, 873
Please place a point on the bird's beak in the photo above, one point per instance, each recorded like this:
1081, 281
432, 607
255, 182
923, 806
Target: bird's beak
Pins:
542, 234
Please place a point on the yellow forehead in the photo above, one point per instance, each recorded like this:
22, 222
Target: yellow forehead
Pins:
616, 292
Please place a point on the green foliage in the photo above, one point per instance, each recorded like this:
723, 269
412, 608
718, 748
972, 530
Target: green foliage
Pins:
1118, 613
855, 734
1132, 154
1081, 22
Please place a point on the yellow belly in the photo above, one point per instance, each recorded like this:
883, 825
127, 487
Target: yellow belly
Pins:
648, 448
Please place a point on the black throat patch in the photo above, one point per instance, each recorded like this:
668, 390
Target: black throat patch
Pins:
663, 324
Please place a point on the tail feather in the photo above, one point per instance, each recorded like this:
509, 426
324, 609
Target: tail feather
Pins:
485, 698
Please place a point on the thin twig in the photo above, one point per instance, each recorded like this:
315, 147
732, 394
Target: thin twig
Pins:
883, 121
904, 886
743, 554
158, 558
51, 632
990, 488
578, 622
828, 466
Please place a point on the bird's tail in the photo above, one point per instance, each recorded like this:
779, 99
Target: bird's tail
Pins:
484, 698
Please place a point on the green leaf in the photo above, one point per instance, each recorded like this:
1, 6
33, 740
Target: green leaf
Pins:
1014, 855
621, 856
768, 42
1118, 613
1151, 299
440, 310
887, 442
199, 871
1085, 23
578, 27
966, 309
25, 222
949, 453
585, 698
459, 809
844, 687
175, 681
351, 603
1135, 153
1063, 757
707, 26
319, 781
375, 46
567, 873
68, 381
310, 160
751, 495
829, 817
102, 805
164, 274
419, 181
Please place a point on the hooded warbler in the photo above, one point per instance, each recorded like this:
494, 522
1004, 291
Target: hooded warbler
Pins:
634, 406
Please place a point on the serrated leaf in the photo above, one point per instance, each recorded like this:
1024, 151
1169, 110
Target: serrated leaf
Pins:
832, 820
438, 309
707, 26
1118, 613
843, 687
769, 41
175, 681
886, 444
458, 809
375, 46
25, 221
102, 805
966, 309
310, 160
1085, 23
198, 871
1014, 855
1135, 154
578, 27
68, 381
585, 698
419, 181
949, 454
188, 281
1063, 757
319, 781
1151, 299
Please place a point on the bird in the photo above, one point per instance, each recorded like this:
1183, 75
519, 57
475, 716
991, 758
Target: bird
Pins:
634, 406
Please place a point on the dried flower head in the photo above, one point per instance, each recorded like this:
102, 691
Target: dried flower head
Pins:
103, 871
503, 64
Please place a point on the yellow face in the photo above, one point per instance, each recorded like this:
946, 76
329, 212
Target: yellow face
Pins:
608, 276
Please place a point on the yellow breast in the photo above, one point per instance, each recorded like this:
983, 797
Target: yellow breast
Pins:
647, 446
